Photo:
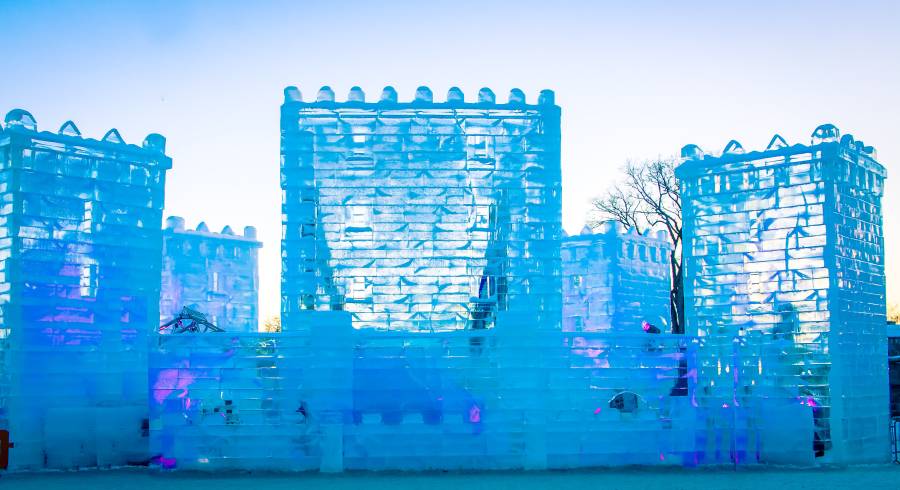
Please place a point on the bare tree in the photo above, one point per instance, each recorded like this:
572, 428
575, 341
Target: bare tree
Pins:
648, 197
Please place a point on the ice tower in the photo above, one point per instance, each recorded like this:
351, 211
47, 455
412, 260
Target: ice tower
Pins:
217, 272
421, 215
785, 245
615, 279
80, 245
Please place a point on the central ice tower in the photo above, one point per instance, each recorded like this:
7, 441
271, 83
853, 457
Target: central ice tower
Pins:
421, 215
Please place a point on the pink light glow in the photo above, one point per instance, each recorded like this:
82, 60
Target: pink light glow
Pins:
167, 463
474, 414
170, 380
598, 409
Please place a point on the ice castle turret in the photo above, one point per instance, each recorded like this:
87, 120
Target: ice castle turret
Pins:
785, 244
217, 272
80, 246
615, 279
424, 215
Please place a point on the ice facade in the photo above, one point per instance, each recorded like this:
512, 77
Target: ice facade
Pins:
334, 399
786, 244
422, 215
893, 332
218, 273
615, 279
80, 245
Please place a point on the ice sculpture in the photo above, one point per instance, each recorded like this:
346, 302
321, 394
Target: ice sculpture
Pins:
215, 272
422, 215
333, 399
80, 243
785, 245
614, 280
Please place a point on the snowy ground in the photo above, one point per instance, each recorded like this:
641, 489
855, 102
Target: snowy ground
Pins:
858, 478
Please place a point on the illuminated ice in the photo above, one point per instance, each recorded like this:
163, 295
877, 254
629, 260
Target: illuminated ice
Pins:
615, 280
784, 247
79, 292
422, 215
216, 274
421, 306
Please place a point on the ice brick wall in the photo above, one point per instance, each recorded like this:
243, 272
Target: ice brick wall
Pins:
334, 398
79, 292
788, 242
614, 279
421, 215
217, 272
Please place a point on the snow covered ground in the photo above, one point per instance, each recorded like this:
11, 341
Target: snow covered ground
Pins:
860, 478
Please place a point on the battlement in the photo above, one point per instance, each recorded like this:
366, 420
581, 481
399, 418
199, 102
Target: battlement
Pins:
21, 121
175, 224
615, 228
825, 137
423, 97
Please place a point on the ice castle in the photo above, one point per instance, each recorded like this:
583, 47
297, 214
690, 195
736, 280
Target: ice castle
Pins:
391, 210
615, 279
80, 243
424, 318
423, 215
216, 272
785, 245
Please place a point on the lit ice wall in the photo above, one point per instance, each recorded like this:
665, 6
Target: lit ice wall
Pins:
217, 272
334, 399
421, 215
80, 253
787, 242
614, 279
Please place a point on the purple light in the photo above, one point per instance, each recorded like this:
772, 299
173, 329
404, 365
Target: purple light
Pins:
474, 414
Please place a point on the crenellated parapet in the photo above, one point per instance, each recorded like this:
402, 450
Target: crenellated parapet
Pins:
21, 122
176, 224
325, 97
825, 138
657, 243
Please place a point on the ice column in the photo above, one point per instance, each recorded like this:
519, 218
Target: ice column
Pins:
786, 244
80, 243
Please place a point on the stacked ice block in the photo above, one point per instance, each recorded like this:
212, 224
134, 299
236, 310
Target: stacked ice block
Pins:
214, 273
79, 291
787, 243
614, 280
423, 215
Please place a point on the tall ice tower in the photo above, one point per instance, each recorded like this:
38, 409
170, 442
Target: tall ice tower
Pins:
80, 253
421, 215
785, 245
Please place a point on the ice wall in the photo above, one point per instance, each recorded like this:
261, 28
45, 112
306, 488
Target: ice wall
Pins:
79, 291
217, 272
334, 399
421, 215
614, 280
787, 242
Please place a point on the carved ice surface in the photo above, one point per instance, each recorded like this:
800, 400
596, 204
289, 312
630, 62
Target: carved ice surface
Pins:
422, 215
787, 244
216, 272
79, 291
614, 280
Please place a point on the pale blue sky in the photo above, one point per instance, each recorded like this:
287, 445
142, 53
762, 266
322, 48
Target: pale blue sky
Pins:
634, 80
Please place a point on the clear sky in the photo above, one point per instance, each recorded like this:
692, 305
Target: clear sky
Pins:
634, 80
